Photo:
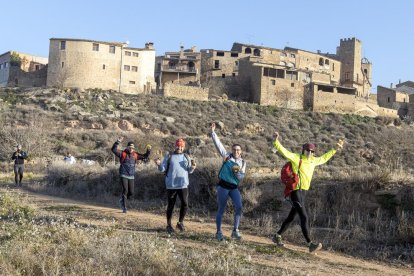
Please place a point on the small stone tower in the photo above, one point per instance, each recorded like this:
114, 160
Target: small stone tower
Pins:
355, 71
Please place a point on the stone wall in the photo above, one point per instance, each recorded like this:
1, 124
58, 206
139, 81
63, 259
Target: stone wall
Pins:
333, 102
21, 78
185, 92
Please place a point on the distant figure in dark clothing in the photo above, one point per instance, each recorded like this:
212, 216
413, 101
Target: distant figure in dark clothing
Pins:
128, 159
18, 156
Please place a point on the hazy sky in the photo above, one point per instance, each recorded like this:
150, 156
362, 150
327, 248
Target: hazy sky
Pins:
385, 28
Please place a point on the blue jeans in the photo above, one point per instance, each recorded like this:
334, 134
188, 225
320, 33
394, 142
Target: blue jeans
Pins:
222, 195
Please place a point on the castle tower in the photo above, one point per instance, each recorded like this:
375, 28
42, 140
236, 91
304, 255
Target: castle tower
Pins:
354, 73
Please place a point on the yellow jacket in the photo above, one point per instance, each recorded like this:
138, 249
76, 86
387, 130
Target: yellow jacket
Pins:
308, 164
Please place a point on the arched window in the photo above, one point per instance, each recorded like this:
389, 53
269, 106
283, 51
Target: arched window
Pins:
366, 72
247, 51
321, 61
326, 61
256, 52
191, 66
292, 55
172, 64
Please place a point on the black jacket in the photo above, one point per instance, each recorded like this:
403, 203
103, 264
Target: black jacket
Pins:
19, 157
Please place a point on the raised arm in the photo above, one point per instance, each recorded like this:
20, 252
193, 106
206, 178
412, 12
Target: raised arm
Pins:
115, 146
328, 155
145, 156
219, 146
294, 157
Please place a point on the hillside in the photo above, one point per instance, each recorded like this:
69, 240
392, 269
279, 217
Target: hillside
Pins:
361, 202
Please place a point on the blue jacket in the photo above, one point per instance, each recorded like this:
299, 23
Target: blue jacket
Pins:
128, 160
178, 170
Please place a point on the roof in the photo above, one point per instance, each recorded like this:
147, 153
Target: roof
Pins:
328, 55
120, 44
255, 46
406, 83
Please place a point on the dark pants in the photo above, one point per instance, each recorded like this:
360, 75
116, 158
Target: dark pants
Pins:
172, 197
127, 190
18, 173
298, 207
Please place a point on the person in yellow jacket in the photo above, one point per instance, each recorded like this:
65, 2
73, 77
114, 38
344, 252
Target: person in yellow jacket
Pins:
307, 161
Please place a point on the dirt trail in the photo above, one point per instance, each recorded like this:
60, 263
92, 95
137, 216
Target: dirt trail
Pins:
322, 263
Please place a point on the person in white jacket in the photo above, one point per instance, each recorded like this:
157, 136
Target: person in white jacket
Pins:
231, 173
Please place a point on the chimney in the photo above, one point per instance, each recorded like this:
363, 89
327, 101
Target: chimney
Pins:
149, 45
399, 81
391, 85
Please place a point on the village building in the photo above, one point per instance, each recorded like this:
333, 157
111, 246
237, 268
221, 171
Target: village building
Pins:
83, 64
22, 70
399, 98
177, 74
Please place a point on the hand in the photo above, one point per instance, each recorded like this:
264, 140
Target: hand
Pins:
149, 147
157, 161
276, 135
213, 127
193, 164
339, 144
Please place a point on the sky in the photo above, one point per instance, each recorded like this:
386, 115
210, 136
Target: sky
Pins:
386, 28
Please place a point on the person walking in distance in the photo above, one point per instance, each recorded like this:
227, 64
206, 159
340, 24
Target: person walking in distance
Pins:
303, 165
18, 156
128, 159
231, 173
176, 166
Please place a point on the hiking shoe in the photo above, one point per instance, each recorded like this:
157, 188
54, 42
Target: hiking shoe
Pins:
277, 239
219, 236
236, 234
170, 230
180, 226
314, 246
124, 210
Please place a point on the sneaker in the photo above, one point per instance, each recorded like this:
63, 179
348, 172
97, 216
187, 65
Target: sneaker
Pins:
219, 236
122, 204
277, 239
236, 234
124, 210
180, 226
170, 230
314, 247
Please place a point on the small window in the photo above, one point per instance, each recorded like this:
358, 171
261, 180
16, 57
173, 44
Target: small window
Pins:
1, 66
321, 61
223, 75
233, 74
135, 54
347, 76
217, 64
63, 45
333, 66
234, 54
220, 54
404, 99
256, 52
131, 82
112, 49
292, 55
247, 51
326, 61
127, 53
388, 99
292, 84
95, 46
37, 67
134, 69
63, 64
127, 67
103, 67
236, 63
273, 82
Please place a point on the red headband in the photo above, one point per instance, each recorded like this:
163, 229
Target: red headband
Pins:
180, 143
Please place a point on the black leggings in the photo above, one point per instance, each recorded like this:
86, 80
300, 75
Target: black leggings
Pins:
18, 173
172, 197
127, 187
298, 207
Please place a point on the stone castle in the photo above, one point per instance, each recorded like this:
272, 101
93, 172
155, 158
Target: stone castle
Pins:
289, 77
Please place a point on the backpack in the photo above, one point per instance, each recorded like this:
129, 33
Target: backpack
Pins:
186, 156
226, 172
289, 178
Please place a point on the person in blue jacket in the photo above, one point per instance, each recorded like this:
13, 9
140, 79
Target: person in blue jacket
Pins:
128, 159
176, 167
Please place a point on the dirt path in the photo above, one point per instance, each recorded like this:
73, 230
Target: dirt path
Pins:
323, 263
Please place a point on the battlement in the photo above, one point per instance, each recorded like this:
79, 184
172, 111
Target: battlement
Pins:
353, 39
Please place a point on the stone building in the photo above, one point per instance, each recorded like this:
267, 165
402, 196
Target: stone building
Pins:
399, 98
22, 70
82, 63
181, 67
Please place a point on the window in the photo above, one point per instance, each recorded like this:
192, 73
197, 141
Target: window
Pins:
1, 66
326, 61
274, 73
292, 55
127, 53
365, 71
134, 69
347, 76
217, 64
321, 61
236, 63
103, 67
95, 47
234, 54
135, 54
273, 82
220, 54
333, 66
291, 75
127, 67
131, 82
247, 51
292, 84
63, 64
256, 52
37, 67
63, 45
388, 99
233, 74
112, 49
223, 75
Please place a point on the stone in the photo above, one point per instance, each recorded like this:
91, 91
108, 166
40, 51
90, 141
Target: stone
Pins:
125, 125
169, 119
